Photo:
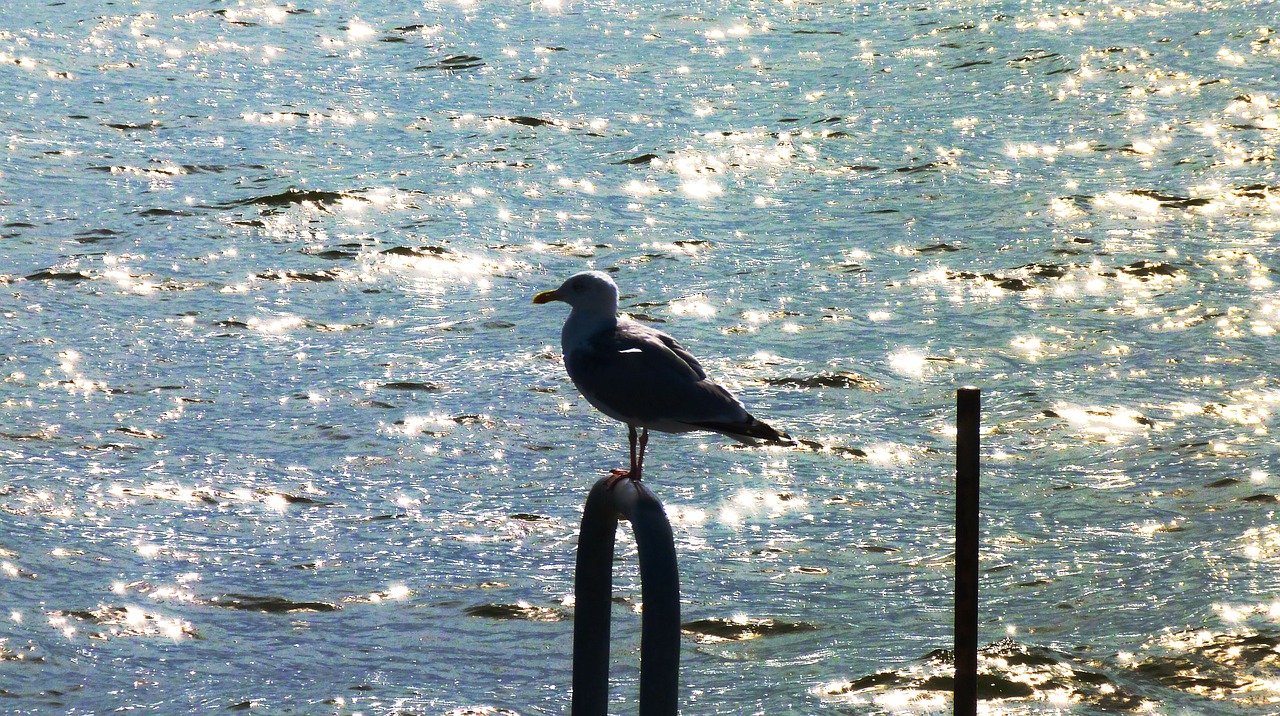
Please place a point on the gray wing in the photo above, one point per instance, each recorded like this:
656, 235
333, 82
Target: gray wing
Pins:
674, 346
645, 377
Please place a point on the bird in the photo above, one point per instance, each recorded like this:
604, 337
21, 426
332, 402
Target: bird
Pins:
641, 376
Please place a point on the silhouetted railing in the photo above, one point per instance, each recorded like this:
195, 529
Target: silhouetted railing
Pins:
593, 589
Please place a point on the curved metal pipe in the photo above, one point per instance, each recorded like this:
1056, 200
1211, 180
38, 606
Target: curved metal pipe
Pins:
593, 588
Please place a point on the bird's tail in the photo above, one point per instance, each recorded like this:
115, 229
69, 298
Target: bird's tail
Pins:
750, 432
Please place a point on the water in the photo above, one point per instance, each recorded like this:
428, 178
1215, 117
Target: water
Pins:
283, 434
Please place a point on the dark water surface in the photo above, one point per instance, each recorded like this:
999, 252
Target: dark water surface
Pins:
280, 431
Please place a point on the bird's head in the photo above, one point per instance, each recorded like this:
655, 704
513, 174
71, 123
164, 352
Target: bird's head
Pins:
590, 290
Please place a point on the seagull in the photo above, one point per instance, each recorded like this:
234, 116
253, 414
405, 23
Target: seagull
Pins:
641, 376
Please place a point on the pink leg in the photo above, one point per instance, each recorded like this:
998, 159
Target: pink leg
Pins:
637, 457
644, 442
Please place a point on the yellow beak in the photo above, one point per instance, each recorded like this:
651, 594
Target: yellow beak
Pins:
546, 297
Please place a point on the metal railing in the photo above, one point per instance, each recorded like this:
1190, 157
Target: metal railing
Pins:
659, 591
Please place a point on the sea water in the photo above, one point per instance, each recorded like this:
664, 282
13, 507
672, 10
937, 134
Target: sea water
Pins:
280, 431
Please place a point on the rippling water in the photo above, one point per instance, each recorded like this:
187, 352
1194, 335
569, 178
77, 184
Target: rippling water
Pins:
281, 432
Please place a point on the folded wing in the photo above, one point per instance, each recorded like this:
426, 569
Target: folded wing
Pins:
644, 377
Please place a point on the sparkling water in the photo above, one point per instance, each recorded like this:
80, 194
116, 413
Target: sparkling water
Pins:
280, 431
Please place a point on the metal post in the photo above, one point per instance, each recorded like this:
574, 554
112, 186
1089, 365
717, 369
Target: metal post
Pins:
593, 587
968, 420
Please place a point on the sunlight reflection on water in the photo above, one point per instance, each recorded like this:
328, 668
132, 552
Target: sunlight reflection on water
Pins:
274, 386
